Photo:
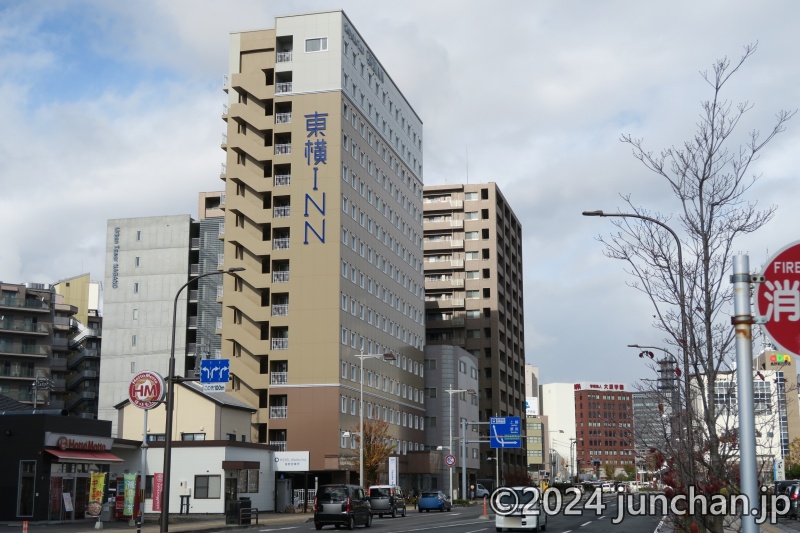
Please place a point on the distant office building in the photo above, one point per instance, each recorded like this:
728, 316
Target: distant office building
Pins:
450, 368
474, 296
323, 182
558, 407
783, 386
651, 421
604, 427
535, 424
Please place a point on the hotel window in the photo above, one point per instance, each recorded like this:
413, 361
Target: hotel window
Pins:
136, 287
344, 341
139, 235
352, 406
136, 314
471, 295
136, 262
133, 341
344, 405
320, 44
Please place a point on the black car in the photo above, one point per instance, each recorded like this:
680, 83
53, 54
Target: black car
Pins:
793, 493
341, 506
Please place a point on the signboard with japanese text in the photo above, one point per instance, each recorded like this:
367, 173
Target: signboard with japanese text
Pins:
393, 470
600, 386
778, 298
214, 374
315, 151
504, 432
292, 461
531, 406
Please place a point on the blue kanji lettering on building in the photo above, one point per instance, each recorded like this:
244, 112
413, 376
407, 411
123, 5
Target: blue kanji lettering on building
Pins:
316, 124
318, 151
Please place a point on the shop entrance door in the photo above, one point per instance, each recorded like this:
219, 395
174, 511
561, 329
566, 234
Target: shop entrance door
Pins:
231, 493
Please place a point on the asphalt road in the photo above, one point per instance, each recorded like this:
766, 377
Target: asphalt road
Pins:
469, 520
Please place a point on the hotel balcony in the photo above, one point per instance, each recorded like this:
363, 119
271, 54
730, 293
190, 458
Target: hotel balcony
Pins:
281, 244
278, 378
279, 444
283, 149
285, 87
282, 180
278, 411
280, 344
284, 57
280, 310
20, 326
280, 276
283, 118
281, 211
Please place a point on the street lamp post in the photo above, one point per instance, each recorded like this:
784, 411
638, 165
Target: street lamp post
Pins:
573, 442
450, 392
684, 340
171, 379
361, 356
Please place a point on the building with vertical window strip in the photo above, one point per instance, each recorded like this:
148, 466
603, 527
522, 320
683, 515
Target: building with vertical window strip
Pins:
323, 183
604, 428
474, 298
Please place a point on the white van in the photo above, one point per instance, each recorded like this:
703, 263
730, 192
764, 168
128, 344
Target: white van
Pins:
607, 487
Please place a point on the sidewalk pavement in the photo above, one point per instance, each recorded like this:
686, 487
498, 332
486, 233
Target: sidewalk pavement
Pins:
178, 524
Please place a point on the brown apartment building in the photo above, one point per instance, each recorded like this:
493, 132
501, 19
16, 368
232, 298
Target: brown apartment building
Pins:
474, 296
323, 183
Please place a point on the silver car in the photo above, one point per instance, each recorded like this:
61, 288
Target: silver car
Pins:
387, 499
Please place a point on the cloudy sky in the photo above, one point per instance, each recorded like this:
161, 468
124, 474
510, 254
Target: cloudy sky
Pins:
112, 109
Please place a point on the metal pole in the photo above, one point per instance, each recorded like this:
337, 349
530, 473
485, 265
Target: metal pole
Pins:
361, 423
170, 403
464, 493
450, 448
144, 470
742, 321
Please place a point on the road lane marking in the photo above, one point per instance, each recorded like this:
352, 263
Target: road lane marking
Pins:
586, 524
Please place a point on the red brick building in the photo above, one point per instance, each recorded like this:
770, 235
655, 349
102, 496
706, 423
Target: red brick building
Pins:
603, 427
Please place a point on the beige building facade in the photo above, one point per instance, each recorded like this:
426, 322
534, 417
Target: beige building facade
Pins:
474, 296
323, 208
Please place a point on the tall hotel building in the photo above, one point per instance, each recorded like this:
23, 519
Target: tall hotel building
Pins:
473, 295
323, 181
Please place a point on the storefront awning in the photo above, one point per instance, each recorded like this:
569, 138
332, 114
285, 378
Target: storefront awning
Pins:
74, 456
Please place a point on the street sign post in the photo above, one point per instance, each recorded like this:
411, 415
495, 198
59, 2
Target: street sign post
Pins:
214, 374
505, 432
778, 298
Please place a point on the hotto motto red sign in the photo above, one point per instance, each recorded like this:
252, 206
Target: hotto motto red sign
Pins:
778, 298
146, 389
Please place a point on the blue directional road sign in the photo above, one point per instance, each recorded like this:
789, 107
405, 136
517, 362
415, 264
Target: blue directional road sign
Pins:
214, 374
504, 432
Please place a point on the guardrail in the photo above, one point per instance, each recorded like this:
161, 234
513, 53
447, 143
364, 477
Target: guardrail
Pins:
246, 515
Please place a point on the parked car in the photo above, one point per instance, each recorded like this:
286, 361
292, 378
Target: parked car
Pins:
607, 487
341, 506
793, 493
522, 516
387, 499
436, 501
481, 491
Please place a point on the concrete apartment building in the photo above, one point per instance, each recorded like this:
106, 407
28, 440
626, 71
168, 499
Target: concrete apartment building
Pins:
558, 408
474, 298
323, 182
535, 425
147, 260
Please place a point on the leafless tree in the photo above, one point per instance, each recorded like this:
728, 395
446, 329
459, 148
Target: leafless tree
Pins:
710, 182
